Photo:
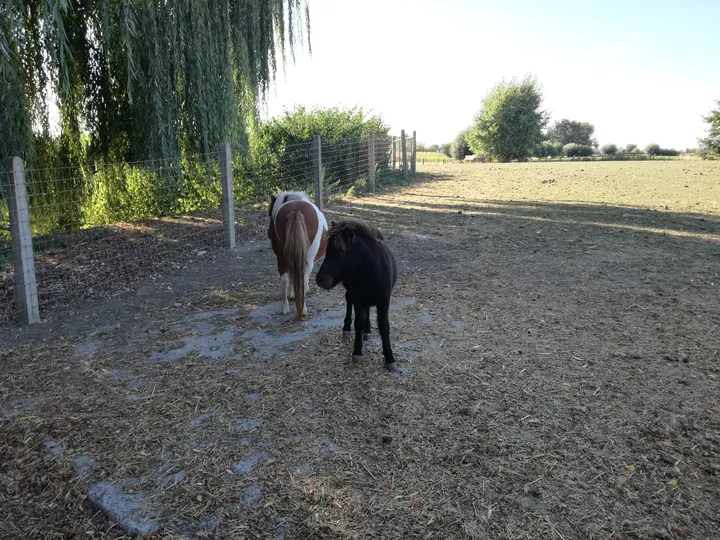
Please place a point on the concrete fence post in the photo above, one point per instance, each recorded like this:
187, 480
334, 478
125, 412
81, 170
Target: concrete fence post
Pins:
413, 159
228, 201
22, 247
403, 142
371, 162
318, 170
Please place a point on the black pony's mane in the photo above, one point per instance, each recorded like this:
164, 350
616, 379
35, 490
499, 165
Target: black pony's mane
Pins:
356, 226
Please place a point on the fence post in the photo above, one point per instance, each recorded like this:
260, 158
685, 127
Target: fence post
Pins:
23, 257
392, 151
228, 202
403, 142
318, 171
371, 162
413, 159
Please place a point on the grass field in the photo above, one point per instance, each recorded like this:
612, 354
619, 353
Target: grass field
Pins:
431, 157
557, 330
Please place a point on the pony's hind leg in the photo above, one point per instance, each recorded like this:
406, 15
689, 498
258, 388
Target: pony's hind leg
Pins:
306, 285
284, 284
347, 323
360, 312
366, 329
384, 329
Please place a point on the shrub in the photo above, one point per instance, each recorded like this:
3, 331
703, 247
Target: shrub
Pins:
548, 149
510, 123
459, 148
569, 131
630, 148
652, 149
577, 150
609, 149
712, 142
281, 154
445, 149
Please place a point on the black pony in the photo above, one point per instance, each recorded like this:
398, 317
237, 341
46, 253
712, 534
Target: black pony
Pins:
358, 257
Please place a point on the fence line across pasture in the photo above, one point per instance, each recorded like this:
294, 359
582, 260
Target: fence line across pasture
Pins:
77, 233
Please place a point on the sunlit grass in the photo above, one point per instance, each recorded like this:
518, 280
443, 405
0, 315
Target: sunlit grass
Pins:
677, 186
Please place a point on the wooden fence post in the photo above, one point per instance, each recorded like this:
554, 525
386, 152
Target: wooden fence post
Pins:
413, 160
393, 154
228, 201
371, 162
403, 142
22, 247
318, 170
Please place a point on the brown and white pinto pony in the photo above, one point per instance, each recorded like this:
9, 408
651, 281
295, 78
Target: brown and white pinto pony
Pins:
298, 234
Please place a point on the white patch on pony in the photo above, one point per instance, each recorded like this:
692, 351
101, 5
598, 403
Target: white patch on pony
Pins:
286, 197
284, 283
313, 249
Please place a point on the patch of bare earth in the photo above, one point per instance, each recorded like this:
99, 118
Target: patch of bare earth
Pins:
560, 380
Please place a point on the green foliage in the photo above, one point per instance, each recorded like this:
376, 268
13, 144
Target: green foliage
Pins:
712, 141
668, 152
134, 80
446, 149
109, 194
652, 149
609, 149
459, 148
146, 79
548, 149
281, 151
569, 131
577, 150
510, 122
629, 148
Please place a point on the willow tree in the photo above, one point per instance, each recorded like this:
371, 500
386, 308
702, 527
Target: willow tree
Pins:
139, 79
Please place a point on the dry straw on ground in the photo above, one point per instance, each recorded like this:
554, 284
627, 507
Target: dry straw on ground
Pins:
561, 378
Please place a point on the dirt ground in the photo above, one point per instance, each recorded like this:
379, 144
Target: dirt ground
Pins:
557, 327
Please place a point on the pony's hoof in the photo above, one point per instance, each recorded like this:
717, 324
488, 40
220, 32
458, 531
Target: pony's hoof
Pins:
347, 334
357, 358
285, 309
366, 337
304, 311
392, 367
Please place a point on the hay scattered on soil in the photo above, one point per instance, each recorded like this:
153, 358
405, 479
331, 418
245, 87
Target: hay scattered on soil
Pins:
561, 381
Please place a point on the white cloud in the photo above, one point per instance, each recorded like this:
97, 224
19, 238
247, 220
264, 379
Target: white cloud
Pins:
637, 35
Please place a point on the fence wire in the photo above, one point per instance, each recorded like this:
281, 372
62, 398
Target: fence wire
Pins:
98, 230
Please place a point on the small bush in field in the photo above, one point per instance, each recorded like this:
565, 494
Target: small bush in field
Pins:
548, 149
652, 149
609, 149
577, 150
630, 148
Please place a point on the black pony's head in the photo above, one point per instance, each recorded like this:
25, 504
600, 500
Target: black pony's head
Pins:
341, 255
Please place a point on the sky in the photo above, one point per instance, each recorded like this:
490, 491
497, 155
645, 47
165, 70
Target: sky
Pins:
641, 72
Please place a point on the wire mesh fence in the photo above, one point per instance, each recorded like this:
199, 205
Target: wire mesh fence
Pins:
93, 232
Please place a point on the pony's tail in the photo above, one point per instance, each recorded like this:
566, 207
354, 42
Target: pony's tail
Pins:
296, 250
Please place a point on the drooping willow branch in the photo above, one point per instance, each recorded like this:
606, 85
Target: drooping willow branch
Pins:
139, 79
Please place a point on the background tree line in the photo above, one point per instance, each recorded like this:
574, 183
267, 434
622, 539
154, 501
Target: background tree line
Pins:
511, 125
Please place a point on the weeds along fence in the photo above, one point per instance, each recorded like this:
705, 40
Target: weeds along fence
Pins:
73, 234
